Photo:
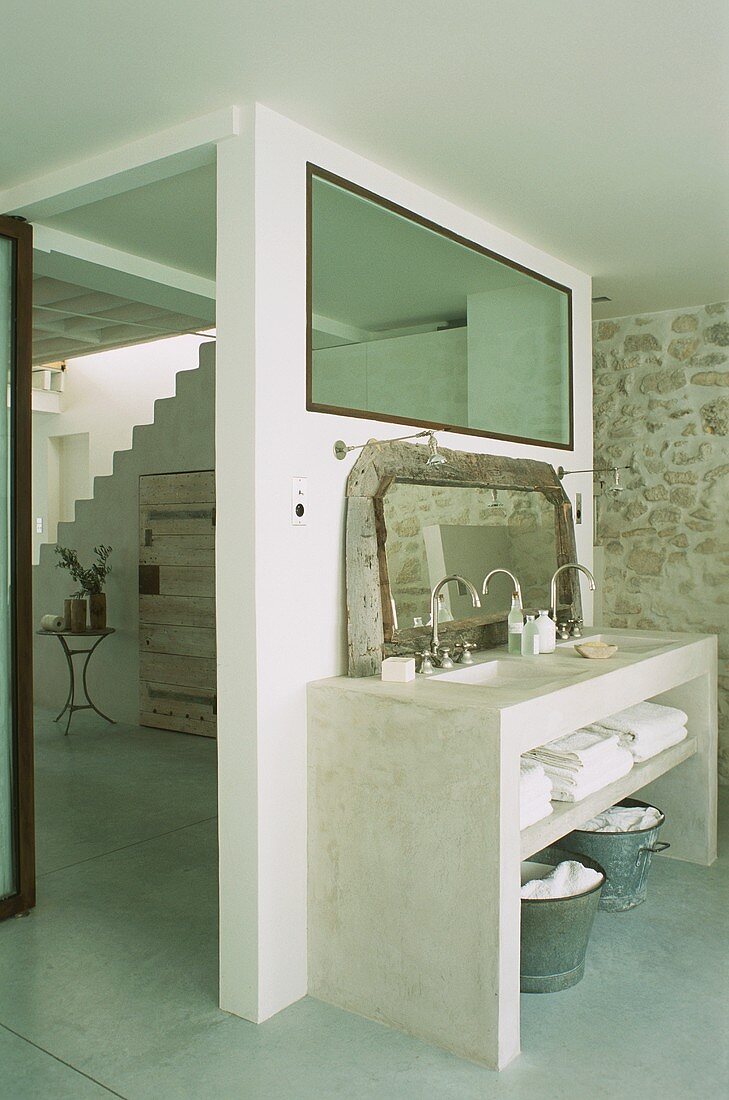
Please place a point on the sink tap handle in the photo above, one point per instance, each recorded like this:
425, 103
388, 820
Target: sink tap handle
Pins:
426, 663
464, 652
446, 661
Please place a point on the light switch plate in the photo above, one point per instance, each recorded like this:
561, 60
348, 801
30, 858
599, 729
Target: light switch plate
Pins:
299, 502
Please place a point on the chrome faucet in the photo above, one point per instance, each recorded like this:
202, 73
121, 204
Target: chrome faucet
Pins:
563, 629
441, 656
514, 581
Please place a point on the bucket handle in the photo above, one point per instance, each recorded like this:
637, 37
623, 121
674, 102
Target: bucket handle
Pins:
659, 846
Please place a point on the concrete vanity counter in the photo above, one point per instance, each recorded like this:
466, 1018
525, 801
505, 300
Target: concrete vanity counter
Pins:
414, 839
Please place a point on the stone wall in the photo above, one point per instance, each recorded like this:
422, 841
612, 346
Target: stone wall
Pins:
662, 394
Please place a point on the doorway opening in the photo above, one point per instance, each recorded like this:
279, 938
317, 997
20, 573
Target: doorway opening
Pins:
124, 458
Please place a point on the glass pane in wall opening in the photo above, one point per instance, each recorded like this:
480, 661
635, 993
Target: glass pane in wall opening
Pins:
410, 323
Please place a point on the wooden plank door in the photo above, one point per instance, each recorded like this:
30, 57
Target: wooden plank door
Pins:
177, 679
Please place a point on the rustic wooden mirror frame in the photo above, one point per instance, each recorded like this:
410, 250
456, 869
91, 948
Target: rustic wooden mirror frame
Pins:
369, 616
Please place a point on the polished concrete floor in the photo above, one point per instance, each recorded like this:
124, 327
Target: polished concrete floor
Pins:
109, 986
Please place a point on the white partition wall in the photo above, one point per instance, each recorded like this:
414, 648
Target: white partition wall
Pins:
281, 618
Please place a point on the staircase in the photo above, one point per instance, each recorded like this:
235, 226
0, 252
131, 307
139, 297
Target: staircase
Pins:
181, 438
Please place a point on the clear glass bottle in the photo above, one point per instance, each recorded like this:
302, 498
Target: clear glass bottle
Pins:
547, 633
516, 624
530, 638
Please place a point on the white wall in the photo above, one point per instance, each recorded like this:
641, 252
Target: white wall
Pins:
285, 642
104, 396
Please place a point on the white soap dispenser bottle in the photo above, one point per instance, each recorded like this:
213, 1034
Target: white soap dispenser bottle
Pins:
530, 638
516, 624
547, 633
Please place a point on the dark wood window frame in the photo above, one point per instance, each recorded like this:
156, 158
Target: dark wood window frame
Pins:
313, 171
21, 569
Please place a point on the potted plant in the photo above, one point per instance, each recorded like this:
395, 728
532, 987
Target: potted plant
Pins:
91, 584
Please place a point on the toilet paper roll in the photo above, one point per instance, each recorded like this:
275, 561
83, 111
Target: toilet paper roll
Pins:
51, 622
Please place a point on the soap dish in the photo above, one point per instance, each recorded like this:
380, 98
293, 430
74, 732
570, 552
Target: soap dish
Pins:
596, 650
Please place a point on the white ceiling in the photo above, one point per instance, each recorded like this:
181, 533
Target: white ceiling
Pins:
171, 221
596, 131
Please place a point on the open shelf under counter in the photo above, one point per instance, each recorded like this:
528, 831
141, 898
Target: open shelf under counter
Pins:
567, 816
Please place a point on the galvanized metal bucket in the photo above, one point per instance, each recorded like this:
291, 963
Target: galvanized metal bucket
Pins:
555, 931
626, 857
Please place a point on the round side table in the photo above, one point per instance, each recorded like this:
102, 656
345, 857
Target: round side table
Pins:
71, 705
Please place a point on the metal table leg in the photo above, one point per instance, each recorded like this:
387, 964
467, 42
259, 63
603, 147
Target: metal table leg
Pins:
71, 705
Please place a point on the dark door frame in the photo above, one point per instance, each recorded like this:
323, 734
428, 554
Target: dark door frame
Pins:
21, 233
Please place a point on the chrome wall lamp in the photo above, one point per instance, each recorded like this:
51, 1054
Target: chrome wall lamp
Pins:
615, 486
435, 458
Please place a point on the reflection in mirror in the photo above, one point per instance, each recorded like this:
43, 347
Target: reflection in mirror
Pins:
411, 323
435, 530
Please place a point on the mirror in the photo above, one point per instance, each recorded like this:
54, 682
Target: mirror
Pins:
409, 524
432, 531
408, 322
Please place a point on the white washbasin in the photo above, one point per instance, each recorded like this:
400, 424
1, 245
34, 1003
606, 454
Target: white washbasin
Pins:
499, 673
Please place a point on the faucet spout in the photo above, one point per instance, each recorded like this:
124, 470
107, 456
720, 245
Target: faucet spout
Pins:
434, 639
553, 585
514, 581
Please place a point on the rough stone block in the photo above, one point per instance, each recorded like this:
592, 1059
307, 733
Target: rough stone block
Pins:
644, 341
715, 416
718, 334
663, 381
649, 563
710, 378
685, 322
683, 347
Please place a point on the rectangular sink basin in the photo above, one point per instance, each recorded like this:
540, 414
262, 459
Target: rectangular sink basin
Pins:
636, 643
498, 673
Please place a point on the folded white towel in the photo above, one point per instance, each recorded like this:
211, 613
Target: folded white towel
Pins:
647, 745
529, 769
566, 880
624, 819
575, 773
573, 787
643, 718
533, 781
583, 747
539, 785
534, 809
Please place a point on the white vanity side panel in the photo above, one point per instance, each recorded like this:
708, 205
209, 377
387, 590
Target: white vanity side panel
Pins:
404, 855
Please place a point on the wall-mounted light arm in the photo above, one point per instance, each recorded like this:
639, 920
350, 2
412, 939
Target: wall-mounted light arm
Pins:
341, 449
562, 473
616, 486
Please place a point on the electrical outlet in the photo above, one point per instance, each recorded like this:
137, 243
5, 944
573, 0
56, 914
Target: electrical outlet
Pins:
299, 502
39, 525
